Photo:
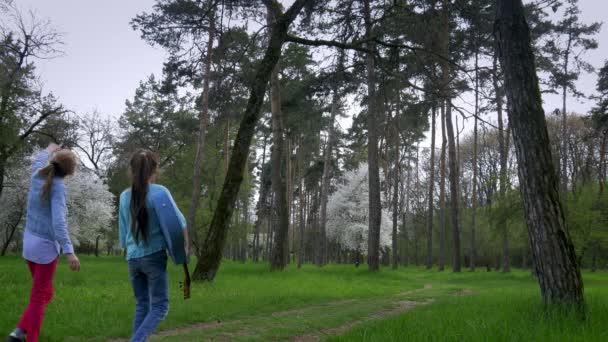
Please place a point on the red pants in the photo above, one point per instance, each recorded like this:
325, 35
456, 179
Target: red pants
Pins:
42, 293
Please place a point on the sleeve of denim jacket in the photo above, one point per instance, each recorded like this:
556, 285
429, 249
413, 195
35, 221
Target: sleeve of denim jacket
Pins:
40, 160
122, 222
59, 212
180, 216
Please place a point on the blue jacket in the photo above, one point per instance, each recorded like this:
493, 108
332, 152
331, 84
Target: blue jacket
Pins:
47, 218
156, 240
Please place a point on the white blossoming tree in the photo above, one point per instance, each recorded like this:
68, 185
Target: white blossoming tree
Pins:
348, 208
12, 202
90, 205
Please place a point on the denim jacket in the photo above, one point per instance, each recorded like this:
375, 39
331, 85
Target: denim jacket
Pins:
46, 218
156, 240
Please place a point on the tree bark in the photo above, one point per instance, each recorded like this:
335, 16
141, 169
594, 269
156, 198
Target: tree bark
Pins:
442, 204
504, 156
373, 242
553, 253
396, 176
473, 254
325, 181
564, 123
279, 252
429, 219
211, 254
200, 141
453, 162
262, 209
454, 194
302, 223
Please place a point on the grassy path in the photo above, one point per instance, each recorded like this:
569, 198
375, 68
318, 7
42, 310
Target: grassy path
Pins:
311, 323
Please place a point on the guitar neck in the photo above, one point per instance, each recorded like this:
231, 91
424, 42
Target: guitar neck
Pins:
186, 281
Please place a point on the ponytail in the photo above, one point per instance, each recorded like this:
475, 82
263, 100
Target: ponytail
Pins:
144, 165
48, 172
62, 164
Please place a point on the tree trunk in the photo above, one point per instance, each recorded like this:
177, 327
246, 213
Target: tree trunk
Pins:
473, 254
288, 199
226, 144
211, 254
396, 176
279, 252
564, 124
12, 232
200, 141
325, 181
594, 253
262, 209
504, 155
429, 219
453, 162
600, 173
552, 249
373, 243
302, 223
2, 171
442, 204
453, 166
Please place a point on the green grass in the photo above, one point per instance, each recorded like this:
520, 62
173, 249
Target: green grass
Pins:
507, 309
96, 304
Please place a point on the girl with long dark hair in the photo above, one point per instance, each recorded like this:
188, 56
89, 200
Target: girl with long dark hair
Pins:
46, 234
140, 234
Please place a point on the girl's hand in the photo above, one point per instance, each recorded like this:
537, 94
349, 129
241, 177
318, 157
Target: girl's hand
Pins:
52, 148
74, 263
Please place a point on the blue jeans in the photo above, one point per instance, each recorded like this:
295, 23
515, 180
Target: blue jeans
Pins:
148, 276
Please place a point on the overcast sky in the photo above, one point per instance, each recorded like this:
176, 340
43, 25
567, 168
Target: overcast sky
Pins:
105, 59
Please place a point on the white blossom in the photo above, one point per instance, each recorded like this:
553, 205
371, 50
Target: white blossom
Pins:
90, 206
348, 213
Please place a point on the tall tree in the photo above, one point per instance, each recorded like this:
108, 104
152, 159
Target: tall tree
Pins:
24, 108
95, 141
331, 136
504, 151
572, 39
429, 219
453, 162
279, 252
375, 213
203, 119
554, 258
211, 255
442, 195
183, 28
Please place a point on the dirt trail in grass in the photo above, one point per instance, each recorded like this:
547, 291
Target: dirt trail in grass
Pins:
402, 306
311, 323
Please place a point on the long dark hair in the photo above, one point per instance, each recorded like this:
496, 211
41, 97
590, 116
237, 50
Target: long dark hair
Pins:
144, 165
63, 163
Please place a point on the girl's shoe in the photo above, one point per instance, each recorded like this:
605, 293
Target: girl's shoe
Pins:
12, 338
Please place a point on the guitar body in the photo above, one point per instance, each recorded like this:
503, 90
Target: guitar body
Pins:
173, 233
170, 226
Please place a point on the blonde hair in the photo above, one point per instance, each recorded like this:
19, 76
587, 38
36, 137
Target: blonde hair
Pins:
63, 163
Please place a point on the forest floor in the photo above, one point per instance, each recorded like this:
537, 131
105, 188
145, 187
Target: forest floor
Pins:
335, 303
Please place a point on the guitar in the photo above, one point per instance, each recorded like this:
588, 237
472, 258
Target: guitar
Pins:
167, 213
186, 286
